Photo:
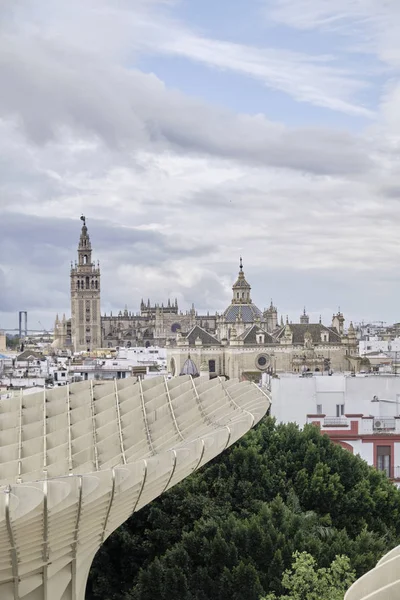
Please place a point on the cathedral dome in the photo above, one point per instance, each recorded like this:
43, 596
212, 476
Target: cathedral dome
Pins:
241, 306
248, 312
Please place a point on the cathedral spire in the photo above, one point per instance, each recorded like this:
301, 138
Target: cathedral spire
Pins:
84, 247
304, 318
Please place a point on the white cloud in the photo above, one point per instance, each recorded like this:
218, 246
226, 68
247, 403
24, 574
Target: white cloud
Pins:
370, 25
122, 30
306, 78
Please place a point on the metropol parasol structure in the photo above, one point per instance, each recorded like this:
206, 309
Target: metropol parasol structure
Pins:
78, 460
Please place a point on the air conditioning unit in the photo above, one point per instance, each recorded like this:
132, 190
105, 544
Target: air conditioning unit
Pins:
379, 425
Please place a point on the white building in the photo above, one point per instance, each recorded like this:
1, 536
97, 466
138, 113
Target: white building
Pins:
362, 414
374, 344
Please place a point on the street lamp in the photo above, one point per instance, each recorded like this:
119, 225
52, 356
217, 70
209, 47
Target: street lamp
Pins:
388, 401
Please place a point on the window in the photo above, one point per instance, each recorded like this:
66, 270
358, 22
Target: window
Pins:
211, 366
339, 410
319, 409
384, 459
262, 361
87, 283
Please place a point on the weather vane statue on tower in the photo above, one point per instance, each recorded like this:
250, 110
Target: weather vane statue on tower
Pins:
83, 218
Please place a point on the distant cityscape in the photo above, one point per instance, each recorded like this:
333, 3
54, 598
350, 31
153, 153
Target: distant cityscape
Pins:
242, 341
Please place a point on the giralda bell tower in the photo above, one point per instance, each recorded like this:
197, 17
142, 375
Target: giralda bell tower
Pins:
85, 297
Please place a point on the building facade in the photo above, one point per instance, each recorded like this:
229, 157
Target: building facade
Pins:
374, 439
154, 325
249, 342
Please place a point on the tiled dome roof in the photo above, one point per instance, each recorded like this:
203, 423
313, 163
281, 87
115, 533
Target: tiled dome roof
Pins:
249, 312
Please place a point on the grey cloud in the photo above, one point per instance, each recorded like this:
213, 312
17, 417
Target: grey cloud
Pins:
37, 252
391, 191
50, 239
48, 87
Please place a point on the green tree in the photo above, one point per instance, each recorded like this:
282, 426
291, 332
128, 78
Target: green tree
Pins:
234, 525
305, 581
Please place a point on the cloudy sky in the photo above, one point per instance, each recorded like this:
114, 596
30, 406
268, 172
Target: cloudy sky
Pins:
190, 132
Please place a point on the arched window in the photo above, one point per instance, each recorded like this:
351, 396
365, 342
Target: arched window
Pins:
92, 284
242, 294
85, 259
96, 285
78, 284
87, 283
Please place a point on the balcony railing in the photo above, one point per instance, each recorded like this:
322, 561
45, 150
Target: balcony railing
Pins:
98, 368
336, 422
384, 423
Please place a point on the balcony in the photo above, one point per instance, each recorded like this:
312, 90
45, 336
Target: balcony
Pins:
336, 422
384, 424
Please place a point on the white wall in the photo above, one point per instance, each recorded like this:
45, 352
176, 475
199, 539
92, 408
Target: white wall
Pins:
359, 448
367, 452
396, 458
374, 345
361, 390
295, 397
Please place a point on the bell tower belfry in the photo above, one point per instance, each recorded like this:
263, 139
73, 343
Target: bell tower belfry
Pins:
241, 289
85, 297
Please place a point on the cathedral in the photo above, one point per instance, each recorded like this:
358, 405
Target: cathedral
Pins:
243, 341
87, 330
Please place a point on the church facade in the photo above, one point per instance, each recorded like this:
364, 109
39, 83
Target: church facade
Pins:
249, 342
